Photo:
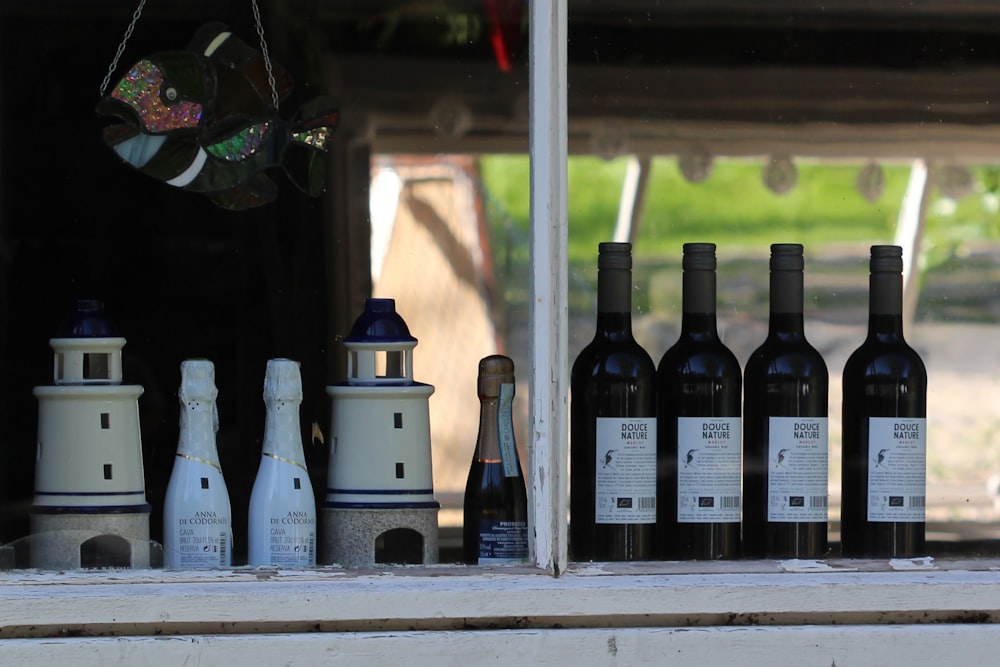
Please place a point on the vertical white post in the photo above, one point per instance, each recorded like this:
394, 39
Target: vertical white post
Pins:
909, 234
548, 309
633, 199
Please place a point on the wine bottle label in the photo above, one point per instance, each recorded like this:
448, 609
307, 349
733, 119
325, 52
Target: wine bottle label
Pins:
797, 467
625, 477
502, 541
708, 469
505, 426
202, 540
897, 468
293, 539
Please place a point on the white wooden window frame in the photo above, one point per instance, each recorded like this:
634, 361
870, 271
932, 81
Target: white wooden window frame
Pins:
749, 613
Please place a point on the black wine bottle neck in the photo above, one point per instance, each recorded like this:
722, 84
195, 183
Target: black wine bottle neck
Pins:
614, 303
885, 306
786, 319
698, 318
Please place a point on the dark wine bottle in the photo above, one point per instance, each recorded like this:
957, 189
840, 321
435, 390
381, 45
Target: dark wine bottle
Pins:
785, 448
698, 423
495, 514
613, 427
884, 428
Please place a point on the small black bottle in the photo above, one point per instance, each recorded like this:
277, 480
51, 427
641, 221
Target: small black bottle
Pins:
613, 427
698, 424
495, 513
884, 428
785, 448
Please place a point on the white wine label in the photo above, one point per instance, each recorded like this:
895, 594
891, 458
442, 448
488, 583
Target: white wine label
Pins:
897, 468
293, 539
708, 469
797, 466
508, 451
202, 540
625, 480
502, 542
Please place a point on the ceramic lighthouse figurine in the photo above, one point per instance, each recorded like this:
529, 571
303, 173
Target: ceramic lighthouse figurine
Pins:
380, 505
90, 506
197, 517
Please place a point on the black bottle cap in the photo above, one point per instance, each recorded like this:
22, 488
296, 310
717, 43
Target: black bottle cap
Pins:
612, 255
494, 370
787, 257
87, 319
699, 257
887, 259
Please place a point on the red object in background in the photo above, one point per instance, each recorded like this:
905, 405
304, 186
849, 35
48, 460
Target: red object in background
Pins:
503, 17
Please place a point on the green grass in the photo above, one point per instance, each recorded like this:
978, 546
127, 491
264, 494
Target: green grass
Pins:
734, 209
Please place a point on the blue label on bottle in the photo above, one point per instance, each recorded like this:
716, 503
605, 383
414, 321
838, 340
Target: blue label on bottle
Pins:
505, 428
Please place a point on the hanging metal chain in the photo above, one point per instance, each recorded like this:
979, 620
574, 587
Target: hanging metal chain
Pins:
260, 34
267, 58
121, 47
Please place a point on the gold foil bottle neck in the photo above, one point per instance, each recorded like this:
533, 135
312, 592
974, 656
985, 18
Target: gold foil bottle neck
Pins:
494, 370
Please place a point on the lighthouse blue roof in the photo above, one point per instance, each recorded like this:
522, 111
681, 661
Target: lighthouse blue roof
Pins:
380, 323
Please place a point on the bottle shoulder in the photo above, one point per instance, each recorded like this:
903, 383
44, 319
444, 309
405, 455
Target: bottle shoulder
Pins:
778, 357
698, 358
614, 357
875, 358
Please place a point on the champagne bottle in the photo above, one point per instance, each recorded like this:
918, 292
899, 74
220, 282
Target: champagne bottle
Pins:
495, 514
785, 457
884, 428
197, 517
282, 517
613, 427
698, 393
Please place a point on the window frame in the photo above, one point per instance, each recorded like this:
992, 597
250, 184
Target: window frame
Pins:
844, 611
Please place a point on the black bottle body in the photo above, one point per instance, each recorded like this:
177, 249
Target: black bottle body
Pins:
884, 430
613, 429
698, 412
495, 511
495, 516
785, 432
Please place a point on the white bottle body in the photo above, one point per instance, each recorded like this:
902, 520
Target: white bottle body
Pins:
197, 516
282, 513
282, 529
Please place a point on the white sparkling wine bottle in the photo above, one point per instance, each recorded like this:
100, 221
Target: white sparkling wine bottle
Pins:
197, 517
282, 517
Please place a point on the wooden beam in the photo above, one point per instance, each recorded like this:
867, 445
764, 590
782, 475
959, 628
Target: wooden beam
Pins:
910, 228
548, 312
633, 198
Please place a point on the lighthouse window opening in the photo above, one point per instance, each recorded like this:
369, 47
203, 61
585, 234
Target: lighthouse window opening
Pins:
400, 470
96, 367
105, 421
107, 471
390, 364
204, 482
397, 420
297, 483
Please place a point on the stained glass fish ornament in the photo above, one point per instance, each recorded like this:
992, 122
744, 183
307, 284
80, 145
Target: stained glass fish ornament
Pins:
206, 120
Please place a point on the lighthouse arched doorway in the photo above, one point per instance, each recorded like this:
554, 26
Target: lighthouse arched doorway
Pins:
403, 546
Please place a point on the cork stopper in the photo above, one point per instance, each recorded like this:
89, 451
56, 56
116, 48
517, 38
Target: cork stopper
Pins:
494, 370
282, 381
198, 381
